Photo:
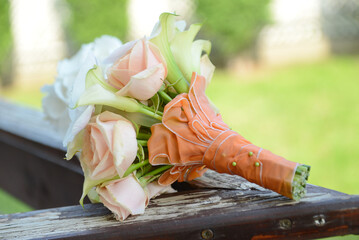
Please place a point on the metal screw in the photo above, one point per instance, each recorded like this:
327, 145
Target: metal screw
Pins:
285, 224
207, 234
319, 220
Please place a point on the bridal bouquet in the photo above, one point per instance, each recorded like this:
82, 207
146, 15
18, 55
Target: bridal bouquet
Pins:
138, 117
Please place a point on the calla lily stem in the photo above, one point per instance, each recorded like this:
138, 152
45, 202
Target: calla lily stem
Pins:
143, 136
150, 113
165, 97
142, 142
158, 170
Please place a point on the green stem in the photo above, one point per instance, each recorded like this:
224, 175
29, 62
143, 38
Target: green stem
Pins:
158, 170
150, 113
172, 94
152, 110
144, 170
134, 167
143, 136
300, 181
150, 176
142, 142
164, 96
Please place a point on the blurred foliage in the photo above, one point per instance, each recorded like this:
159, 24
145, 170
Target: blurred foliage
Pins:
92, 18
5, 41
231, 25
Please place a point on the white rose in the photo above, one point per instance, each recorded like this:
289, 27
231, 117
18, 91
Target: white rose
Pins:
70, 84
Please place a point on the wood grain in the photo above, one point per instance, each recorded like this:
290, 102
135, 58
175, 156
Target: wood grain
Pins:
33, 168
228, 214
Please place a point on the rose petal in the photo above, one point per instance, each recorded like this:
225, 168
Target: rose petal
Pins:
124, 196
119, 52
155, 189
137, 57
144, 84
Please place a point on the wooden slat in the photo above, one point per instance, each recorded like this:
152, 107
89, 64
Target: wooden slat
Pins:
28, 123
228, 214
33, 168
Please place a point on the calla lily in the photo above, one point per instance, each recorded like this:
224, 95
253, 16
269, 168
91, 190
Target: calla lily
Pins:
182, 53
206, 69
100, 92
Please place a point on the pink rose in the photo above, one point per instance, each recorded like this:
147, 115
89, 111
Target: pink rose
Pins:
126, 196
109, 146
140, 72
123, 197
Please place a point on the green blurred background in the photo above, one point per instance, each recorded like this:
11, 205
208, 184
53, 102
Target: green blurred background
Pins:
304, 109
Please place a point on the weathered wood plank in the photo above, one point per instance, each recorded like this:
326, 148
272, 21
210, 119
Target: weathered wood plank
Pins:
37, 174
33, 168
27, 123
228, 214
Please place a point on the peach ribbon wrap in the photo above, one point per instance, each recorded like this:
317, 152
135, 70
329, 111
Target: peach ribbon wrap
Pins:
192, 138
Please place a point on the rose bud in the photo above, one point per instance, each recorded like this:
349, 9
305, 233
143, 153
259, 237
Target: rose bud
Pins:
140, 72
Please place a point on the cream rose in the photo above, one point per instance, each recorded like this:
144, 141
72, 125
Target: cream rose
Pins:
139, 70
126, 196
109, 146
123, 197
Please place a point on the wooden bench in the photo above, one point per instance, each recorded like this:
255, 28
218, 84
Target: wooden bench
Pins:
212, 207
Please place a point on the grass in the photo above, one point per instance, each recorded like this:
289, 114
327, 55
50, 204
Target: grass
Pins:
308, 113
9, 204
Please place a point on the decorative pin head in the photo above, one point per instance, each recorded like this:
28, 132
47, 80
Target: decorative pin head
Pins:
256, 164
234, 164
250, 153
